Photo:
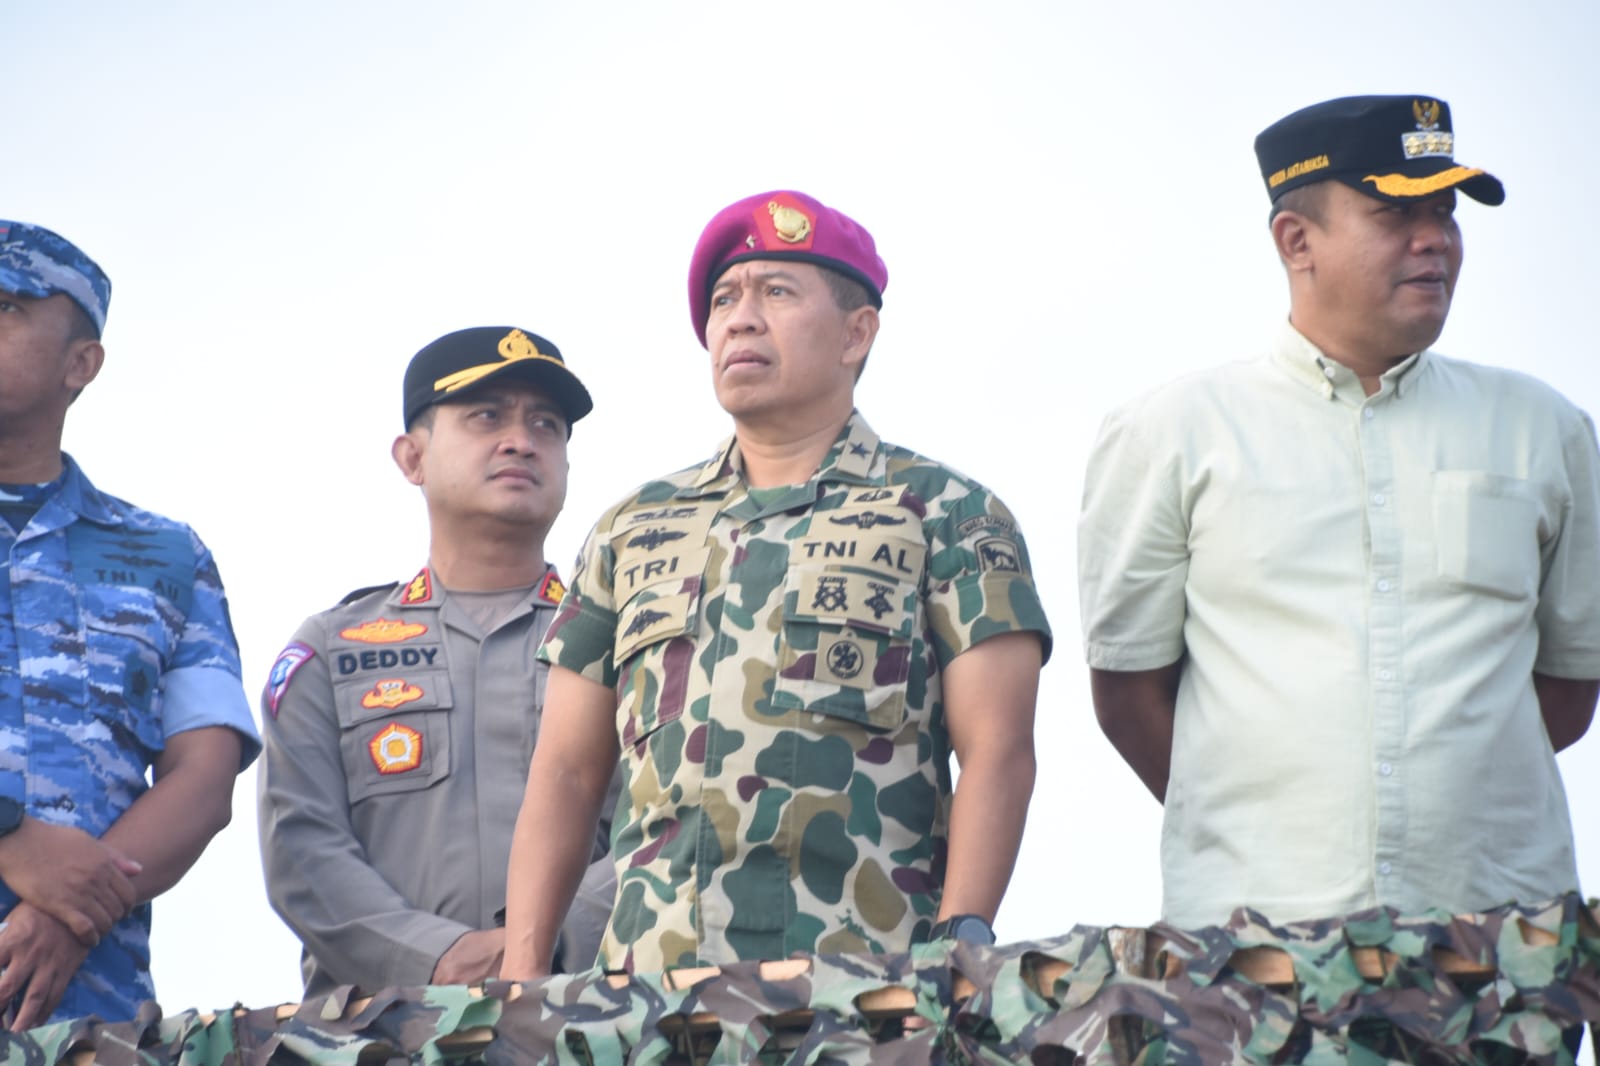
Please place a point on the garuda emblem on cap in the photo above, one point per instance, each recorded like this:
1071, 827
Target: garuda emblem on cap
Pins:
1429, 140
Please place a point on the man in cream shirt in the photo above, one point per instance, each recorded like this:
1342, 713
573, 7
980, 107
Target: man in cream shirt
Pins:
1341, 603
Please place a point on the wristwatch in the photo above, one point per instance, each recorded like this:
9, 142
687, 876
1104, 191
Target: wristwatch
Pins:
10, 815
967, 927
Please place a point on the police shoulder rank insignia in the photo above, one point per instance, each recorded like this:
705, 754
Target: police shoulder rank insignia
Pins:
551, 590
419, 589
395, 749
390, 693
383, 631
289, 660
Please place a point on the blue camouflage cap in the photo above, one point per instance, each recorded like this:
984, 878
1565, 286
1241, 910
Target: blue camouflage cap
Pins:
38, 263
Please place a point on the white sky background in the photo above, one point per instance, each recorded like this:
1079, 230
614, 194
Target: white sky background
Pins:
292, 198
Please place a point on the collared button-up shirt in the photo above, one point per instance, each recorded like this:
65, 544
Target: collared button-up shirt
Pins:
399, 733
1364, 587
776, 655
114, 636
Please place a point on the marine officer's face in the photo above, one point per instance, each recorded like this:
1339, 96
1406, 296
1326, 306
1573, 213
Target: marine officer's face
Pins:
41, 364
1385, 272
501, 453
780, 346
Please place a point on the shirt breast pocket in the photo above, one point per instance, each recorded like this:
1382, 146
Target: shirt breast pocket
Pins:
847, 644
394, 732
128, 642
1487, 527
653, 663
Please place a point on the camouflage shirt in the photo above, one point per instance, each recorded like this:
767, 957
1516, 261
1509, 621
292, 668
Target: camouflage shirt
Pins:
114, 635
776, 655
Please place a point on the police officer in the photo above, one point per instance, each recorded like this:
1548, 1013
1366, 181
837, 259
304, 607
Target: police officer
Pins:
784, 645
117, 657
1340, 601
399, 724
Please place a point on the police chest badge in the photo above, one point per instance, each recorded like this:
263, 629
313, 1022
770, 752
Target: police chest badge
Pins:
395, 749
383, 631
390, 693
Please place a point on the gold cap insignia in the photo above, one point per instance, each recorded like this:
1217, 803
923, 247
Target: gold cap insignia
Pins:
1427, 113
514, 347
790, 225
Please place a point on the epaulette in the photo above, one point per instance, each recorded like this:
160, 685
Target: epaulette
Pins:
358, 593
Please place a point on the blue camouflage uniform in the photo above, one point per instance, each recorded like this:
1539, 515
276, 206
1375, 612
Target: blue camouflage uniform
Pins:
114, 636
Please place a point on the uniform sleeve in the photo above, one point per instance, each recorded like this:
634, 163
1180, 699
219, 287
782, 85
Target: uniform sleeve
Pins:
202, 686
1568, 615
1133, 551
583, 633
980, 580
348, 916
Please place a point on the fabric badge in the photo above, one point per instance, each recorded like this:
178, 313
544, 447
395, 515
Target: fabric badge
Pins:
551, 590
390, 693
289, 660
383, 631
419, 589
997, 553
395, 749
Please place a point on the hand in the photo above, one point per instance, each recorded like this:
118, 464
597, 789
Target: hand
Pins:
473, 958
69, 875
38, 956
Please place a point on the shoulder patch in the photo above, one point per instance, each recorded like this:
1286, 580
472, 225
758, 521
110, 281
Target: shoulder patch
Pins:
291, 659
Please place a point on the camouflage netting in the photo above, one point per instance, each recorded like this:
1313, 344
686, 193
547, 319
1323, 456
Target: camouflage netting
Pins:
1500, 987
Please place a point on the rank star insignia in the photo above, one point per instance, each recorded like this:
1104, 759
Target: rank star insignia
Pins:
844, 659
858, 449
395, 749
830, 595
383, 631
390, 693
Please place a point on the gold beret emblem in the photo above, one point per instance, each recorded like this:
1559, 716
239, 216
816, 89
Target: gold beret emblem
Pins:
791, 226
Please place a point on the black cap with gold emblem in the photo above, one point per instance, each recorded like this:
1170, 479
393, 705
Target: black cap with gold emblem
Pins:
459, 363
1395, 148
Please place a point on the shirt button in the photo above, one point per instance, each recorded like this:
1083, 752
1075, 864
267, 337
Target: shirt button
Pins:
1368, 413
1379, 499
1385, 675
1384, 868
1328, 372
1385, 769
1383, 584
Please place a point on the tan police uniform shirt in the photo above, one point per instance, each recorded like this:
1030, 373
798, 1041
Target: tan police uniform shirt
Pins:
398, 736
1364, 587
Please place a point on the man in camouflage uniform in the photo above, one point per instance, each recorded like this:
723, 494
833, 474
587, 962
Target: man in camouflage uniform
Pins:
116, 657
400, 723
784, 646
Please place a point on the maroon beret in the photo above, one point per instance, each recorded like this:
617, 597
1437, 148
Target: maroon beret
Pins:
781, 225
